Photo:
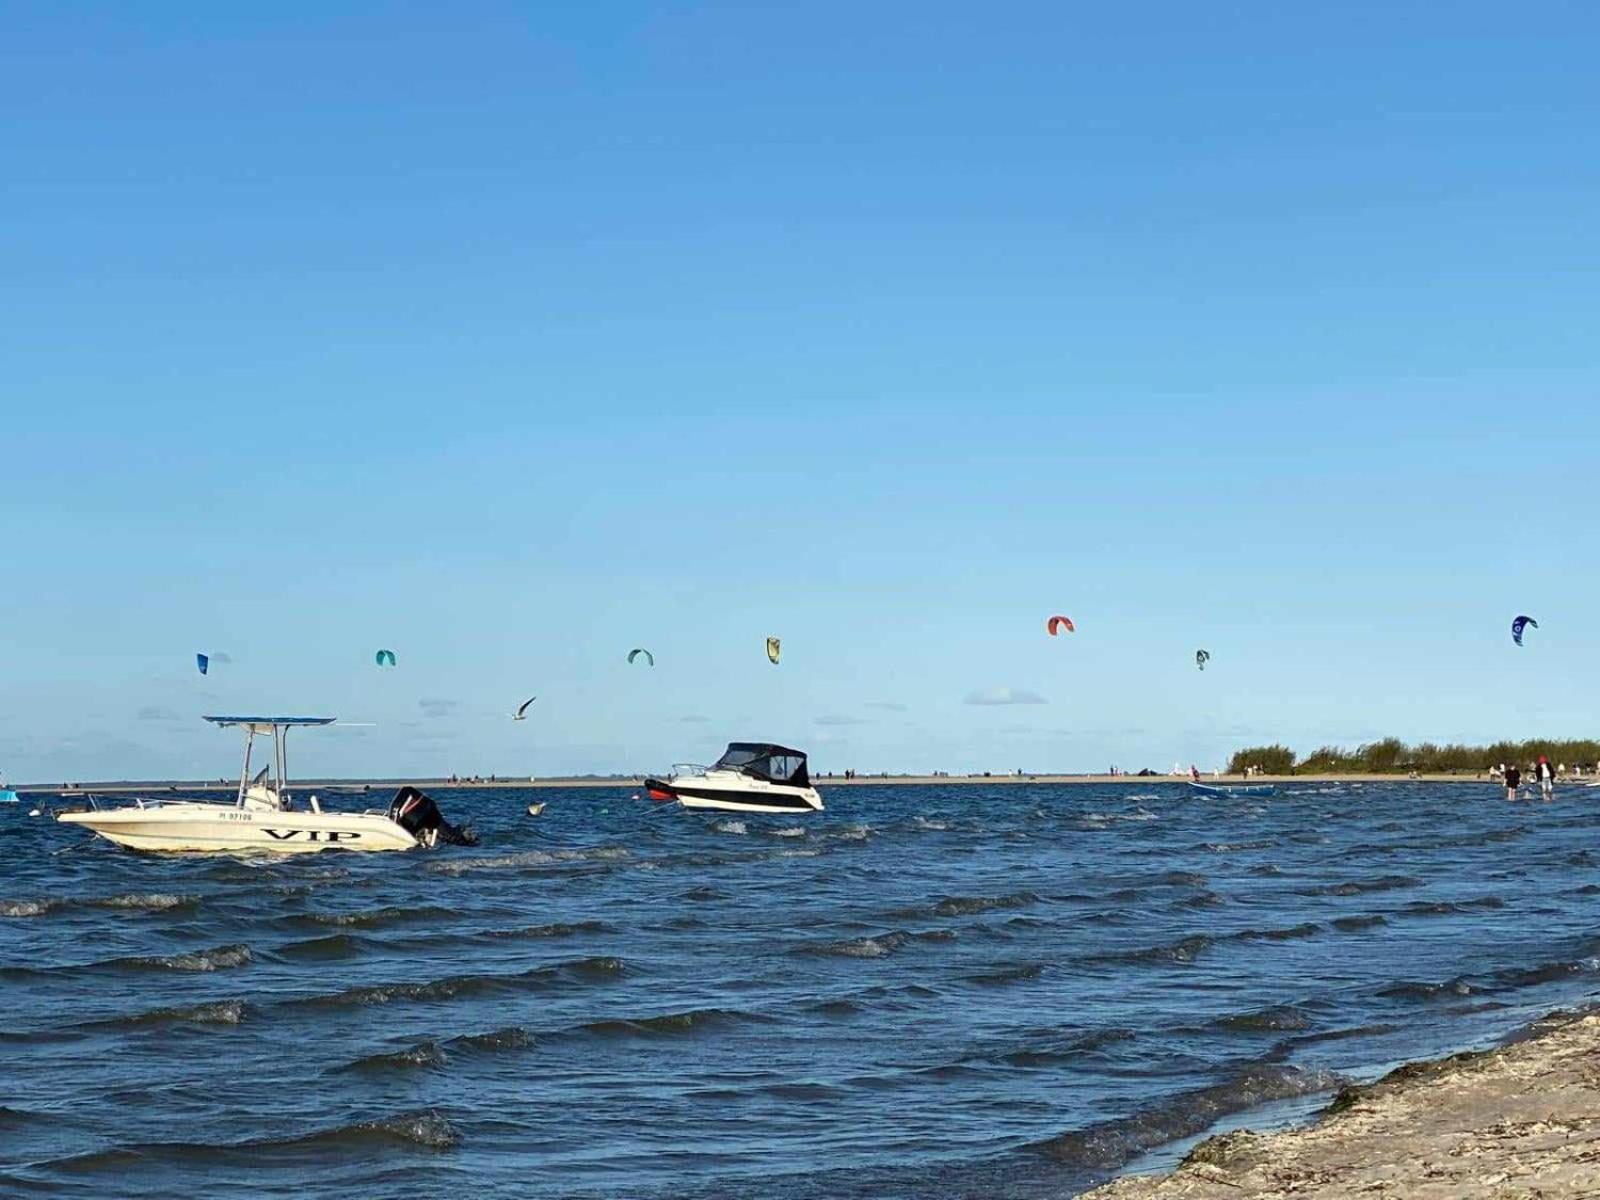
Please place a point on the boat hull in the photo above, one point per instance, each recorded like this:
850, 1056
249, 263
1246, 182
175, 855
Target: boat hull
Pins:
225, 829
748, 796
1237, 789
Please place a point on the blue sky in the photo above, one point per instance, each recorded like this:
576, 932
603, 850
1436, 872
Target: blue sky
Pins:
512, 337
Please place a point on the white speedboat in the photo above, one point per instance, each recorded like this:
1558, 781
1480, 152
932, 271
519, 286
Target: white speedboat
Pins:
749, 777
264, 816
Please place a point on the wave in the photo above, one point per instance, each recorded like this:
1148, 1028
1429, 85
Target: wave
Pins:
221, 958
1415, 990
957, 906
1001, 976
582, 970
962, 906
1185, 950
145, 901
1354, 887
513, 1037
1281, 1018
790, 831
530, 858
321, 949
1448, 908
557, 929
217, 1012
1111, 1144
877, 946
695, 1020
1351, 924
1306, 929
394, 914
27, 908
1073, 1048
738, 827
427, 1055
138, 901
426, 1130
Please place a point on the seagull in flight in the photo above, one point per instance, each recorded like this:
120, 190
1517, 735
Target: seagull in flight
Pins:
522, 713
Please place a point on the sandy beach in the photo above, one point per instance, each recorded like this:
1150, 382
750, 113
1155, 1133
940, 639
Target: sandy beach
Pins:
822, 781
1519, 1121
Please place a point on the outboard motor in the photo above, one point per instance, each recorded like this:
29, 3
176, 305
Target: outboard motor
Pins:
415, 812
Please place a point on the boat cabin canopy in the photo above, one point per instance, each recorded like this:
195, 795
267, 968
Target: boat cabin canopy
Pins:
762, 760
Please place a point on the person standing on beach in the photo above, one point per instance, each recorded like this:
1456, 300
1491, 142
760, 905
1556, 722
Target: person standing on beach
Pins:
1546, 778
1513, 781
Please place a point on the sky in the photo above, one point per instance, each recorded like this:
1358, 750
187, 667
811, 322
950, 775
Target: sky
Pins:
511, 337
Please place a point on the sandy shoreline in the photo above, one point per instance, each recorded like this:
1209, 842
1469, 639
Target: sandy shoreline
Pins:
821, 781
1522, 1120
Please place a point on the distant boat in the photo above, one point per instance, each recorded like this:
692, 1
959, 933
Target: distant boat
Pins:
7, 796
1234, 789
749, 777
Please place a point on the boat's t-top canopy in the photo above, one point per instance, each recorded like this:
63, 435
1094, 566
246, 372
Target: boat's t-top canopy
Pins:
277, 728
267, 724
762, 760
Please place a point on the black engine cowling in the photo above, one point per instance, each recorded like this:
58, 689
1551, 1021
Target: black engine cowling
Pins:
415, 811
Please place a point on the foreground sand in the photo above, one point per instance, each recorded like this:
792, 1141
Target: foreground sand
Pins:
1521, 1121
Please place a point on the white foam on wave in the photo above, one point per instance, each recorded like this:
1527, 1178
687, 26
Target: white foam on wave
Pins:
26, 908
530, 858
731, 827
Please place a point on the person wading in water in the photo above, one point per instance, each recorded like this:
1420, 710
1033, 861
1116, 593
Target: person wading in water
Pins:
1513, 780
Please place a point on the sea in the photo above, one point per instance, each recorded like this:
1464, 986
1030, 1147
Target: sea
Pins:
1009, 991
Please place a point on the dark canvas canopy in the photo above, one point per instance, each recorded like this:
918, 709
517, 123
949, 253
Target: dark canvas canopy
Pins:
776, 764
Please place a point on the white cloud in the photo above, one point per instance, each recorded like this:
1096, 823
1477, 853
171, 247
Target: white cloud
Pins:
1004, 695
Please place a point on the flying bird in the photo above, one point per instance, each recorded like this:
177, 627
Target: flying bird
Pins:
522, 712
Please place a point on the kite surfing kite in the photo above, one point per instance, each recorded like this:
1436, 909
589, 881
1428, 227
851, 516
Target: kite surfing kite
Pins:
203, 661
637, 651
773, 648
1201, 657
1056, 624
1519, 625
384, 658
522, 712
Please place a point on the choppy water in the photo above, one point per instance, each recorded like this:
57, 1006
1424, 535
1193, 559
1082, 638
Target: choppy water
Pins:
1005, 992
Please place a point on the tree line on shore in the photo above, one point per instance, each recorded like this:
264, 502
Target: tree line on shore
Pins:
1393, 756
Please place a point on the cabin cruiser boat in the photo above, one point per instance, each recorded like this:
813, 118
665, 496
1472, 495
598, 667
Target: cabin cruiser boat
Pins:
749, 777
264, 816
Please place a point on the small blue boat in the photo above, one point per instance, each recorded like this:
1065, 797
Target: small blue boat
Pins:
7, 796
1234, 789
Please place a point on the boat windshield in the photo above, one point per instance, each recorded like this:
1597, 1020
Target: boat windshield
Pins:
776, 764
